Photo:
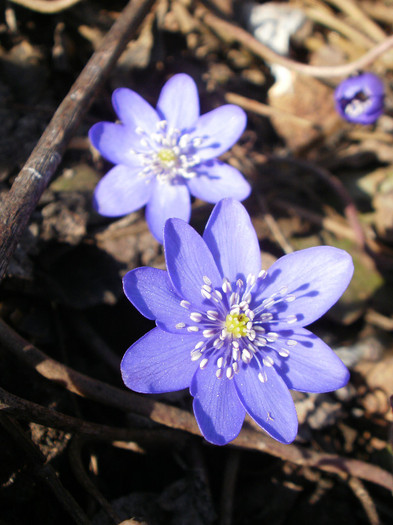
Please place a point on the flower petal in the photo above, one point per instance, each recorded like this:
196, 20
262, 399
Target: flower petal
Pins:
231, 238
317, 277
151, 292
217, 408
115, 142
134, 111
220, 129
270, 404
121, 191
311, 366
216, 180
167, 200
159, 362
371, 84
178, 103
189, 261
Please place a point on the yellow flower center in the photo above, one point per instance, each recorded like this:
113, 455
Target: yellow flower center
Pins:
166, 156
236, 325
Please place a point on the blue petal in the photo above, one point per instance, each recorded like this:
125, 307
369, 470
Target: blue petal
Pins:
178, 103
317, 277
167, 200
270, 404
159, 362
121, 191
216, 180
311, 366
189, 261
220, 129
134, 111
115, 143
152, 293
217, 408
231, 238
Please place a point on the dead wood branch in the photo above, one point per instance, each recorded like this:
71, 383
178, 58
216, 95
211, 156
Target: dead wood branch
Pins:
240, 35
46, 156
173, 417
43, 470
45, 7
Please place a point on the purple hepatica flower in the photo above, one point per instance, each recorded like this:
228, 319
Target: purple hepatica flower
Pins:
232, 332
164, 154
360, 99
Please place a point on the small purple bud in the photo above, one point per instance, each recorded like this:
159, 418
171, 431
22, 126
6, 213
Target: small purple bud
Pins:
360, 99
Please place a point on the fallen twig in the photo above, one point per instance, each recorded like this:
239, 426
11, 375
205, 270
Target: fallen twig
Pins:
243, 37
365, 499
48, 417
46, 156
268, 111
173, 417
360, 18
45, 7
327, 223
336, 184
43, 470
75, 453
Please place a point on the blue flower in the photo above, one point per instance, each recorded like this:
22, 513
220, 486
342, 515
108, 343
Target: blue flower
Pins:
360, 99
164, 154
232, 332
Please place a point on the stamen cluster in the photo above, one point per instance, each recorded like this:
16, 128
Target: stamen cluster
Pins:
167, 154
234, 330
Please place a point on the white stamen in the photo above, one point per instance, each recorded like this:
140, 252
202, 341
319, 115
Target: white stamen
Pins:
196, 317
203, 363
206, 294
180, 325
235, 354
291, 319
291, 342
251, 335
251, 279
234, 311
272, 336
246, 356
185, 304
226, 286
